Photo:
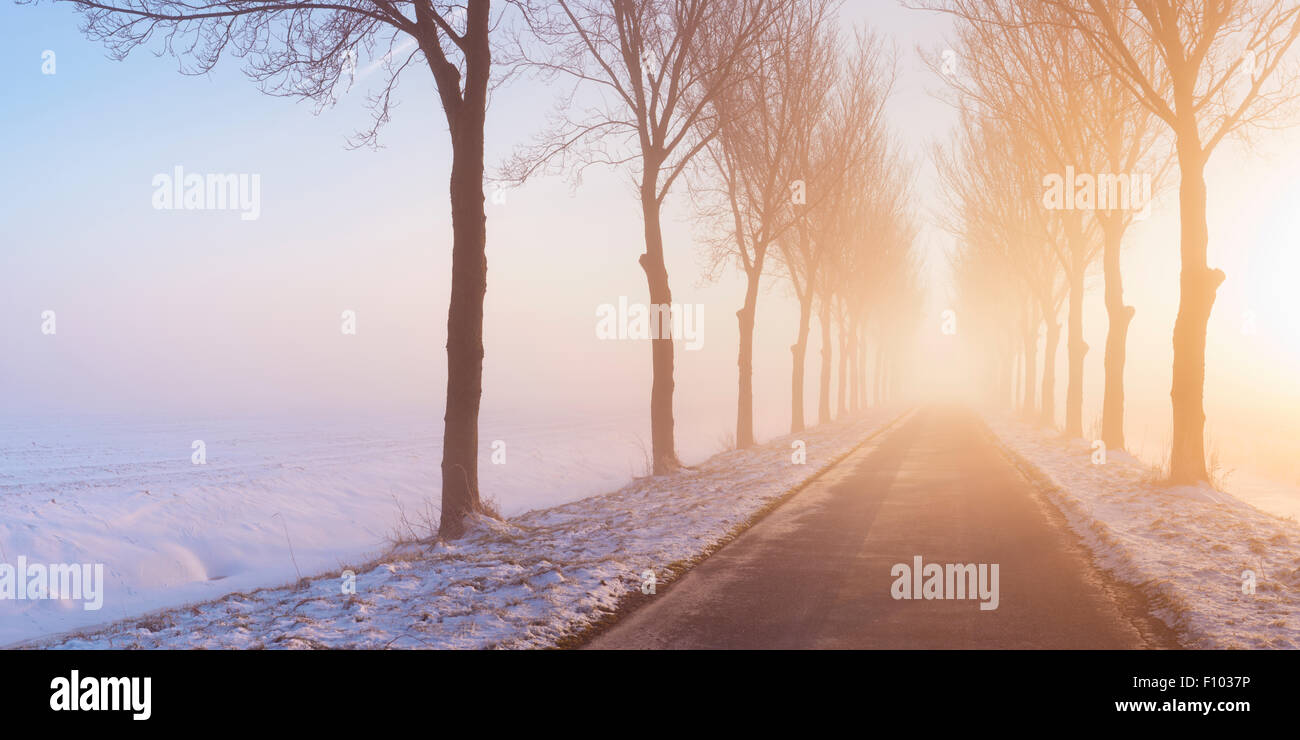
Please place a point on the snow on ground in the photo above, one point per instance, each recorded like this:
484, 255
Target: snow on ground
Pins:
524, 582
276, 497
1186, 547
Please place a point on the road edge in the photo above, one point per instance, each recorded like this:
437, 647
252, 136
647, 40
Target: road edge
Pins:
672, 574
1134, 600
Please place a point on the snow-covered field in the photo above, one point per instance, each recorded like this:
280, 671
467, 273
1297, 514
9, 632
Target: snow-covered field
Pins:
524, 582
1270, 495
276, 497
1186, 547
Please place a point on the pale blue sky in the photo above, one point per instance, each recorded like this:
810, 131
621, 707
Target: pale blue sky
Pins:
184, 309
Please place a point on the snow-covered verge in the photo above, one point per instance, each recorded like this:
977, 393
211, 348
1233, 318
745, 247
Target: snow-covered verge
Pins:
1188, 548
528, 581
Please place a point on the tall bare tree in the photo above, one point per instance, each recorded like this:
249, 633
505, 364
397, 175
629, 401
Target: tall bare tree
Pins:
306, 50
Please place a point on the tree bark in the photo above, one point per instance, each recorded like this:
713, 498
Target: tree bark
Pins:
1076, 348
1198, 286
798, 353
1048, 401
858, 340
460, 492
842, 382
857, 366
745, 400
1018, 375
663, 449
1119, 315
828, 359
1028, 407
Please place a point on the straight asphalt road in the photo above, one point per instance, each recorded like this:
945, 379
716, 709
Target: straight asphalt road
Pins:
817, 571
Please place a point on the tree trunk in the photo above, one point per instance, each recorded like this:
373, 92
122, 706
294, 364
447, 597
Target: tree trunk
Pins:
1031, 367
460, 493
1049, 372
1017, 375
1076, 348
1198, 286
663, 449
1119, 315
843, 381
828, 358
798, 351
858, 364
745, 401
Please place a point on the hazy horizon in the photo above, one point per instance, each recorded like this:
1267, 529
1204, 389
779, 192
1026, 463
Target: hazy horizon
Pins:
190, 313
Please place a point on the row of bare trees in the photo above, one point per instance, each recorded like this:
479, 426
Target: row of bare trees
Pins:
750, 96
775, 122
1083, 86
801, 175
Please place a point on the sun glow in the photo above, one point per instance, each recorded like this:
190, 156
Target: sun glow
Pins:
1274, 296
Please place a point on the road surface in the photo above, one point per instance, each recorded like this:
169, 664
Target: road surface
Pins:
816, 572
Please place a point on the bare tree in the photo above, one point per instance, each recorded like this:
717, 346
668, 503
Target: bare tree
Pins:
655, 68
308, 50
